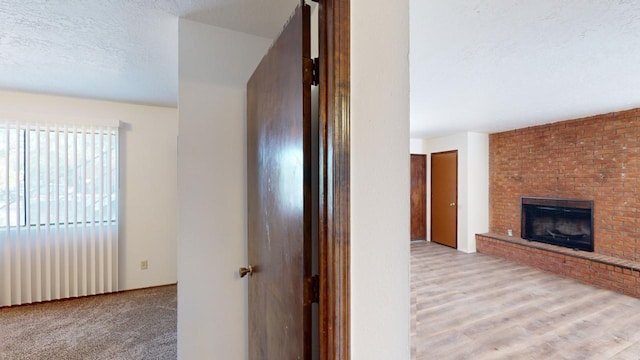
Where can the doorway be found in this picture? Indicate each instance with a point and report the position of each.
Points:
(444, 198)
(418, 197)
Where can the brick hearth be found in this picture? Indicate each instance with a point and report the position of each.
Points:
(611, 273)
(595, 158)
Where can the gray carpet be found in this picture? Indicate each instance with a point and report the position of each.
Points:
(139, 324)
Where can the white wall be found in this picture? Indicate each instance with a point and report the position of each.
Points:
(380, 179)
(148, 224)
(477, 187)
(473, 184)
(215, 65)
(416, 146)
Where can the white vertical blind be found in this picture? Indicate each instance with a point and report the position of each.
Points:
(58, 211)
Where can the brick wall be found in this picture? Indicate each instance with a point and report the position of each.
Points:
(595, 158)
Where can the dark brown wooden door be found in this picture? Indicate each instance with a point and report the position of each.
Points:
(418, 197)
(444, 198)
(278, 195)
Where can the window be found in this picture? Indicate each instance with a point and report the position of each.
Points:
(57, 175)
(58, 211)
(9, 184)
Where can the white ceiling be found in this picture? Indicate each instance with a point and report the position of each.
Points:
(121, 50)
(476, 65)
(492, 65)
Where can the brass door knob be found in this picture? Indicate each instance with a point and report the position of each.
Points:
(452, 204)
(246, 270)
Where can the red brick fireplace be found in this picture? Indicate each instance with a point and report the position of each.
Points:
(595, 159)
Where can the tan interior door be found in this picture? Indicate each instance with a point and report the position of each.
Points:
(418, 197)
(279, 197)
(444, 198)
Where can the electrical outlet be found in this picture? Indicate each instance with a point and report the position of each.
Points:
(144, 265)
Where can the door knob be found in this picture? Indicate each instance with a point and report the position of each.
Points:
(452, 204)
(246, 270)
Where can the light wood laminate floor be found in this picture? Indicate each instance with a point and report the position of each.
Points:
(474, 306)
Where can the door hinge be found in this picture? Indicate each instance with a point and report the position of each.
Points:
(315, 289)
(315, 73)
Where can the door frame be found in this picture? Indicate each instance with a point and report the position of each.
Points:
(334, 186)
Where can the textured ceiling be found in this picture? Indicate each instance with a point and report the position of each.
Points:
(258, 17)
(476, 65)
(115, 50)
(122, 50)
(487, 65)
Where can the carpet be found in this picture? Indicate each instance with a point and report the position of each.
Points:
(138, 324)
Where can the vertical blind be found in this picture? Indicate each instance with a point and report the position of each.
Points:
(58, 211)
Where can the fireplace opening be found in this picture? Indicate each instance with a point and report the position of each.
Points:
(563, 222)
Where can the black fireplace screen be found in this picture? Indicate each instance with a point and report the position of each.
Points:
(563, 222)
